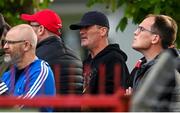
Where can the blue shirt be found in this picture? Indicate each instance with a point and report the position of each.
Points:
(36, 79)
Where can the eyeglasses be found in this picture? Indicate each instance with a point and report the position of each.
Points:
(34, 25)
(140, 29)
(3, 42)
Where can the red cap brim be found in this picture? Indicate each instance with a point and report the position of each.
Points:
(27, 17)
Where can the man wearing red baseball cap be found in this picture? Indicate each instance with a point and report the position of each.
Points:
(48, 19)
(47, 24)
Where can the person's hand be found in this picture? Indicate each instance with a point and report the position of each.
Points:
(129, 91)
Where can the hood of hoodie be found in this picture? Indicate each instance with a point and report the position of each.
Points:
(111, 48)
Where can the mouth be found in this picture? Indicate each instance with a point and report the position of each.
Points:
(134, 38)
(83, 38)
(6, 53)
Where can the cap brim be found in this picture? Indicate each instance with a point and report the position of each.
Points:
(78, 26)
(27, 17)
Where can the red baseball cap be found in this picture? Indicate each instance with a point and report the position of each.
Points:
(48, 18)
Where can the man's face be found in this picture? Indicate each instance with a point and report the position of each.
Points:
(35, 26)
(90, 36)
(13, 48)
(143, 35)
(39, 30)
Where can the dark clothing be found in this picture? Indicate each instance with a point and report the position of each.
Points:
(108, 58)
(140, 69)
(139, 75)
(66, 65)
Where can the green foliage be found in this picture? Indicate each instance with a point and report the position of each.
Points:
(138, 9)
(122, 24)
(11, 9)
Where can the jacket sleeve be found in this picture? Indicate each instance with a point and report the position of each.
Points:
(3, 88)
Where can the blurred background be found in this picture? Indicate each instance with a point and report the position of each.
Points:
(124, 16)
(71, 11)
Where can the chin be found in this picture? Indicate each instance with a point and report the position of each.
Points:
(135, 48)
(84, 45)
(7, 59)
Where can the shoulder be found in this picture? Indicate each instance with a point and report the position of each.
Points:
(113, 56)
(39, 68)
(39, 65)
(38, 62)
(114, 51)
(5, 76)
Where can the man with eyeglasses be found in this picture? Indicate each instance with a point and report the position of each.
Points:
(66, 64)
(47, 25)
(154, 35)
(28, 76)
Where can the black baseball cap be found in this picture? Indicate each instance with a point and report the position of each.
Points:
(91, 18)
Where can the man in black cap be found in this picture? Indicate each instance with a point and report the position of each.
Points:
(94, 28)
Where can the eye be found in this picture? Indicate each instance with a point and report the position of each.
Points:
(141, 28)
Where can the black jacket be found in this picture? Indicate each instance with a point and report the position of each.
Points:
(66, 65)
(109, 57)
(139, 75)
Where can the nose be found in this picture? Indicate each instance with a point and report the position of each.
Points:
(136, 32)
(5, 45)
(81, 30)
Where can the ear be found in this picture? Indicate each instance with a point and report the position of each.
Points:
(27, 46)
(156, 39)
(103, 31)
(41, 30)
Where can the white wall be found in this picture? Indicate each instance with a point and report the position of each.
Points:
(124, 39)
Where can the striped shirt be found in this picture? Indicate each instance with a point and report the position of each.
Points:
(3, 88)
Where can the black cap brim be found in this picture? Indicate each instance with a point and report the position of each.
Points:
(78, 26)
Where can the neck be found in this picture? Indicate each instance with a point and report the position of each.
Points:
(98, 48)
(152, 53)
(28, 59)
(45, 36)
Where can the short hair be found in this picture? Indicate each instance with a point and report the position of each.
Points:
(166, 27)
